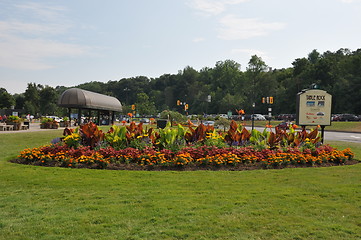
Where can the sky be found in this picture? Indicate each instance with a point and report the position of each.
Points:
(69, 42)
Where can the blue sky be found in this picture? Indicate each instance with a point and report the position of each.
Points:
(68, 42)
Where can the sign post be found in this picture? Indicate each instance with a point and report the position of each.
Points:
(314, 108)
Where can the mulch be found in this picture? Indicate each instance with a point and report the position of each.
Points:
(136, 167)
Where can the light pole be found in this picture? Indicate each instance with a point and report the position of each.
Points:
(253, 102)
(253, 106)
(126, 90)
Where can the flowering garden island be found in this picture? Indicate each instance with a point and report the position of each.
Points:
(185, 147)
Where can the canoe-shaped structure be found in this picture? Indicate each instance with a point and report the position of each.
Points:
(86, 102)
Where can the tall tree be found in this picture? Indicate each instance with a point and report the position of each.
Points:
(48, 98)
(6, 99)
(144, 106)
(32, 99)
(256, 68)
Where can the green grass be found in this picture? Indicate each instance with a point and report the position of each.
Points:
(335, 126)
(345, 126)
(58, 203)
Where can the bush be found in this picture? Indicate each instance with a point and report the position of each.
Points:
(173, 116)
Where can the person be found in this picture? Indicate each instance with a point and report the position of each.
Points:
(1, 118)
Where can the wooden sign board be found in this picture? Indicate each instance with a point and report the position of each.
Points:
(314, 108)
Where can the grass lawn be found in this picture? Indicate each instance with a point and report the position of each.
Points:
(335, 126)
(58, 203)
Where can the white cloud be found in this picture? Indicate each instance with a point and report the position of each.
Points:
(27, 43)
(234, 28)
(212, 7)
(32, 54)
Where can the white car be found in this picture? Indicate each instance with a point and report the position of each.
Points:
(259, 117)
(55, 118)
(208, 123)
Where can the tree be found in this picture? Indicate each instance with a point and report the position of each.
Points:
(144, 106)
(48, 99)
(32, 99)
(19, 101)
(256, 66)
(6, 99)
(314, 56)
(226, 74)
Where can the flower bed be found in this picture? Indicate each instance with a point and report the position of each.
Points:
(191, 157)
(132, 147)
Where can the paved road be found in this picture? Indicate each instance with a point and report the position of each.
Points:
(343, 136)
(329, 136)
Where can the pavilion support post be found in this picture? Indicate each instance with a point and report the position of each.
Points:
(113, 116)
(79, 116)
(98, 117)
(69, 115)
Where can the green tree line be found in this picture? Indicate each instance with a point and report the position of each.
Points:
(222, 88)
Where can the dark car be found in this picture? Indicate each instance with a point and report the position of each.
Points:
(145, 120)
(335, 117)
(347, 117)
(286, 117)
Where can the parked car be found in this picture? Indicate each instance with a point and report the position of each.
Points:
(286, 117)
(335, 117)
(268, 117)
(208, 123)
(145, 120)
(55, 118)
(259, 117)
(347, 117)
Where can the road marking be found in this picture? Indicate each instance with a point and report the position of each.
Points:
(354, 136)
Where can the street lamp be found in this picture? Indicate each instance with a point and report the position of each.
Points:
(253, 106)
(126, 90)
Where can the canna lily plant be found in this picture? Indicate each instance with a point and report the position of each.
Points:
(171, 138)
(176, 138)
(237, 135)
(198, 134)
(91, 135)
(116, 137)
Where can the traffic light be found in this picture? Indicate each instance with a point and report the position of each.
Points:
(133, 107)
(186, 107)
(271, 100)
(178, 102)
(263, 100)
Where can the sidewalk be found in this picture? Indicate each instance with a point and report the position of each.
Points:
(34, 127)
